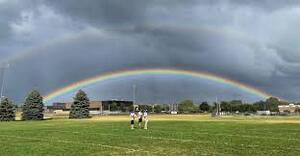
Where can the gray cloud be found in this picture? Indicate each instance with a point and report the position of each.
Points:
(55, 43)
(102, 12)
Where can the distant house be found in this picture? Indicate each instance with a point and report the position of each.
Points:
(288, 108)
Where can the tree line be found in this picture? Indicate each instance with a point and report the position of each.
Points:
(271, 104)
(33, 107)
(188, 106)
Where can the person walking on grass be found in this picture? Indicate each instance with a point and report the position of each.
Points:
(140, 117)
(146, 119)
(132, 118)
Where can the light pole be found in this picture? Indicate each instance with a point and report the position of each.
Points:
(218, 107)
(3, 68)
(134, 94)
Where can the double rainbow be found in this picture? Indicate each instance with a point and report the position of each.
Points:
(155, 71)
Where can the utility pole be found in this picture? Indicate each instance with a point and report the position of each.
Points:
(3, 68)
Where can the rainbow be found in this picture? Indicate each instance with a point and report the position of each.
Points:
(155, 71)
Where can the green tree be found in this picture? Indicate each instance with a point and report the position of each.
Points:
(260, 105)
(226, 106)
(145, 107)
(204, 107)
(80, 106)
(236, 102)
(7, 110)
(114, 106)
(157, 108)
(187, 106)
(33, 107)
(165, 107)
(236, 105)
(272, 104)
(123, 107)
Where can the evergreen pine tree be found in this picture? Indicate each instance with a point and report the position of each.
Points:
(33, 107)
(7, 110)
(80, 106)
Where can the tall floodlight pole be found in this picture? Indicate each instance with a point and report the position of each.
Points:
(3, 68)
(134, 93)
(218, 107)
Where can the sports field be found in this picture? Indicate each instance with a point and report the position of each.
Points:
(167, 135)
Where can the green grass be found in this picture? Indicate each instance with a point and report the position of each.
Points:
(167, 135)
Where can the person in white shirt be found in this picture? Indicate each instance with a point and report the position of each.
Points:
(140, 117)
(145, 119)
(132, 118)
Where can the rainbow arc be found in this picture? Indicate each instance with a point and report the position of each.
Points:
(156, 71)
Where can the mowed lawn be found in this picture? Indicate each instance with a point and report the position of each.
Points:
(167, 135)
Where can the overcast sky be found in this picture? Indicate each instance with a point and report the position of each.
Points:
(53, 43)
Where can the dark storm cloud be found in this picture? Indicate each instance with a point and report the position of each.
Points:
(102, 12)
(11, 11)
(58, 70)
(268, 5)
(58, 42)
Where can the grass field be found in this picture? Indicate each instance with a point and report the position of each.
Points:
(167, 135)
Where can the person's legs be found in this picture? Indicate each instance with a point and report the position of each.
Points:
(146, 124)
(132, 124)
(140, 123)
